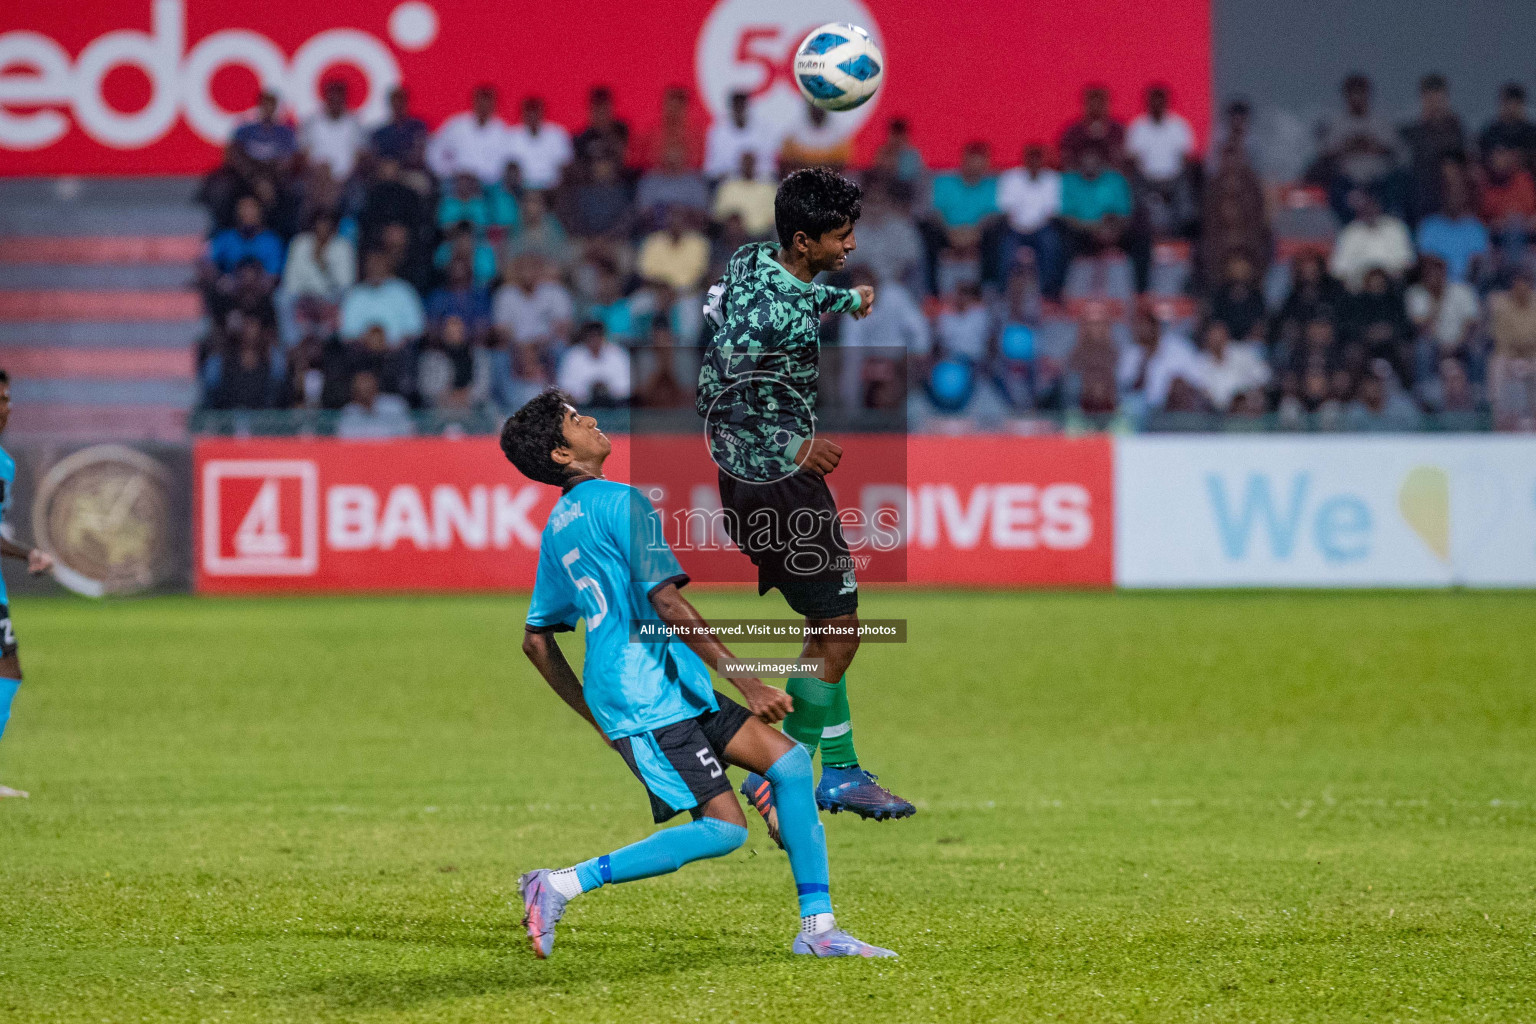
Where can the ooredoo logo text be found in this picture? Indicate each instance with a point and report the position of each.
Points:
(42, 87)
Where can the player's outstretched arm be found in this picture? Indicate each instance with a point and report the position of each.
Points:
(856, 301)
(545, 653)
(767, 702)
(866, 301)
(37, 559)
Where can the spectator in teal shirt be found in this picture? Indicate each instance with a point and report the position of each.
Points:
(967, 197)
(464, 202)
(965, 208)
(465, 243)
(613, 309)
(1096, 210)
(505, 213)
(1094, 193)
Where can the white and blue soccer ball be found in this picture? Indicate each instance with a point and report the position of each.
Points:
(838, 67)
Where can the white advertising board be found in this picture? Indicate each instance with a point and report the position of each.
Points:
(1402, 510)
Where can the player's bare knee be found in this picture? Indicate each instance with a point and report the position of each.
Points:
(757, 746)
(850, 645)
(835, 643)
(777, 745)
(839, 655)
(724, 808)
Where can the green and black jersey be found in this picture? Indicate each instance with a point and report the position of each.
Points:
(757, 383)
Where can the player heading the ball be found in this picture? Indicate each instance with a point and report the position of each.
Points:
(758, 381)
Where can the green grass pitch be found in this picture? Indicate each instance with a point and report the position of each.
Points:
(1239, 807)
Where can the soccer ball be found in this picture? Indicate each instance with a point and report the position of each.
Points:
(838, 67)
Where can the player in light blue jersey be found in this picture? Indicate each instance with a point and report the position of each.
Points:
(37, 560)
(646, 689)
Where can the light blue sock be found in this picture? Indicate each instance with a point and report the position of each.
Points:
(805, 840)
(662, 853)
(8, 688)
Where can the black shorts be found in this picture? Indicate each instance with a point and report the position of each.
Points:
(683, 764)
(790, 530)
(7, 632)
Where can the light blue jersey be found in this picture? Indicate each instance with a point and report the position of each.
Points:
(601, 555)
(7, 485)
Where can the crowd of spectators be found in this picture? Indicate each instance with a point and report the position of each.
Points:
(1113, 273)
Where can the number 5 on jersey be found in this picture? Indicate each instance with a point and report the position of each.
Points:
(586, 583)
(707, 759)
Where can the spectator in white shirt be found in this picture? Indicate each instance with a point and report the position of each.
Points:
(870, 360)
(371, 415)
(594, 371)
(1156, 358)
(540, 148)
(1444, 311)
(1232, 374)
(1159, 142)
(532, 312)
(739, 133)
(321, 262)
(1372, 240)
(333, 138)
(474, 142)
(384, 301)
(1161, 148)
(321, 266)
(1029, 198)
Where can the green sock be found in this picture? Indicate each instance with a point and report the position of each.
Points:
(837, 731)
(813, 699)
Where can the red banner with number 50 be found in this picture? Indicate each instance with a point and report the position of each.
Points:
(155, 86)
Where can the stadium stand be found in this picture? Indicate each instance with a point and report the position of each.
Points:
(97, 316)
(460, 291)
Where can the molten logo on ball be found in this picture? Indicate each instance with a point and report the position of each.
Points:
(838, 67)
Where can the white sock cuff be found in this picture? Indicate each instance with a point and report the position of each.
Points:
(566, 882)
(815, 924)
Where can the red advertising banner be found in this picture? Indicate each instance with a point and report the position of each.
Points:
(155, 86)
(1005, 511)
(435, 514)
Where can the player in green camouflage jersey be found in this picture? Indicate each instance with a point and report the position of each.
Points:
(757, 393)
(757, 385)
